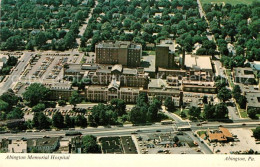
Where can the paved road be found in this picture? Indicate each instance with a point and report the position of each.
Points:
(172, 115)
(232, 113)
(14, 76)
(203, 14)
(202, 146)
(84, 26)
(218, 67)
(126, 130)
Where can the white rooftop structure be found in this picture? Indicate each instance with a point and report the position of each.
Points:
(158, 15)
(198, 62)
(171, 14)
(196, 47)
(231, 48)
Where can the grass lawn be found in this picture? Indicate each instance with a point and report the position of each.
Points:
(243, 113)
(229, 78)
(232, 2)
(201, 132)
(178, 112)
(151, 52)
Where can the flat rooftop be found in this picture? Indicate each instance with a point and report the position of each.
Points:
(253, 99)
(119, 44)
(198, 62)
(244, 72)
(148, 63)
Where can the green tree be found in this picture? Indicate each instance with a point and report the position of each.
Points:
(119, 106)
(224, 94)
(221, 111)
(90, 144)
(252, 113)
(194, 112)
(36, 93)
(41, 121)
(81, 121)
(14, 43)
(79, 16)
(69, 121)
(10, 98)
(169, 104)
(3, 105)
(5, 33)
(127, 23)
(242, 102)
(138, 115)
(69, 40)
(58, 120)
(236, 92)
(205, 99)
(256, 132)
(176, 139)
(74, 99)
(38, 108)
(40, 39)
(157, 103)
(16, 113)
(142, 99)
(62, 102)
(152, 113)
(209, 111)
(12, 61)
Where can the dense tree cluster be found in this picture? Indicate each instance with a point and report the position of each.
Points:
(240, 99)
(194, 112)
(144, 111)
(136, 21)
(257, 132)
(102, 114)
(239, 25)
(11, 62)
(41, 24)
(224, 93)
(252, 113)
(169, 104)
(36, 93)
(215, 112)
(90, 144)
(9, 107)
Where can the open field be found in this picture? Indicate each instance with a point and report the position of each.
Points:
(232, 2)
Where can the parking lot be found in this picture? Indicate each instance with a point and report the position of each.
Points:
(118, 145)
(45, 67)
(165, 143)
(196, 99)
(50, 111)
(242, 143)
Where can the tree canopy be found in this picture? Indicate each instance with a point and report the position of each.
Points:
(36, 93)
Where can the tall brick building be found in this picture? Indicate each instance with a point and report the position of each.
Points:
(164, 57)
(121, 52)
